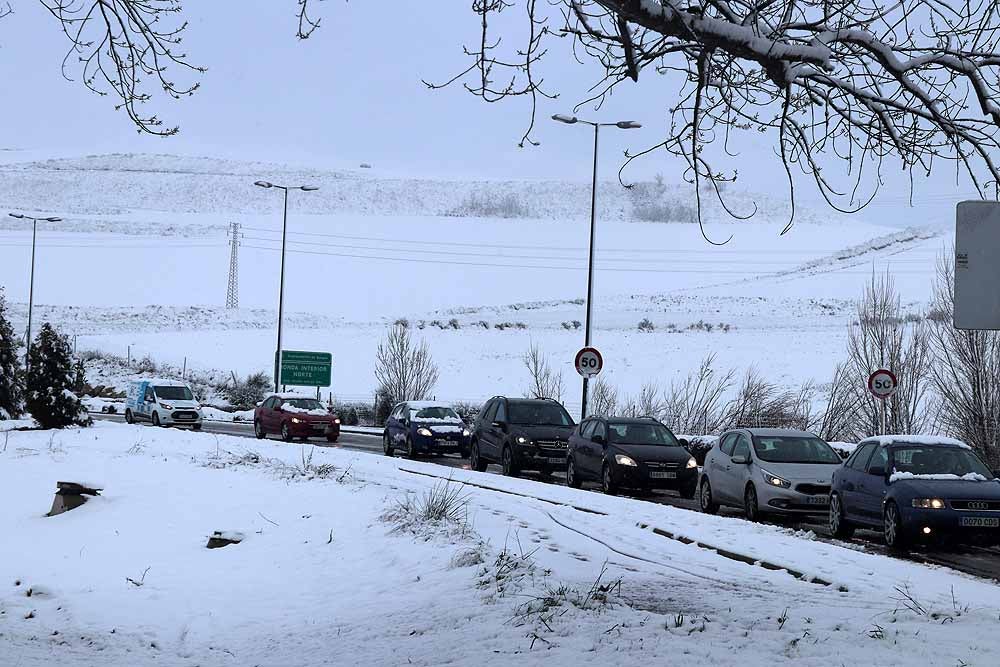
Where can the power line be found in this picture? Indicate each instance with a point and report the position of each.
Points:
(774, 274)
(455, 253)
(397, 240)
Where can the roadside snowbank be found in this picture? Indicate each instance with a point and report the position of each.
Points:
(337, 567)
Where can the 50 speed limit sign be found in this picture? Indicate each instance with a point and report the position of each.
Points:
(589, 362)
(882, 383)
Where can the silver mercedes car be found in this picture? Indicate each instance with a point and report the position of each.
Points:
(768, 471)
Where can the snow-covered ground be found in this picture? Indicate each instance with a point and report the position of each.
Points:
(140, 266)
(332, 570)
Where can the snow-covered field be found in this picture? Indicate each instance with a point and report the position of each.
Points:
(141, 263)
(531, 573)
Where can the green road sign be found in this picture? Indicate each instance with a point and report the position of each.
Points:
(306, 369)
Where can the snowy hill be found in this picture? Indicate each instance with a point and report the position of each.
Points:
(122, 184)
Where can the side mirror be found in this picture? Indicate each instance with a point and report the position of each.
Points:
(684, 442)
(877, 471)
(597, 439)
(741, 460)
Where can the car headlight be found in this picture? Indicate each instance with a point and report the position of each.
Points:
(692, 463)
(774, 480)
(623, 460)
(296, 420)
(426, 432)
(336, 420)
(466, 432)
(928, 503)
(166, 406)
(521, 440)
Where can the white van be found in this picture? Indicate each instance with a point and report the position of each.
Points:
(162, 403)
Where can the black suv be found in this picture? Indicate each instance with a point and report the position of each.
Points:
(519, 434)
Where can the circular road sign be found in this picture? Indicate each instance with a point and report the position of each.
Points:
(882, 384)
(589, 362)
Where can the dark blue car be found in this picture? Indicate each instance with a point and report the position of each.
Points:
(916, 488)
(425, 427)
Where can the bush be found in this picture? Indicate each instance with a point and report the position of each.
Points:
(651, 202)
(245, 394)
(49, 398)
(485, 204)
(646, 325)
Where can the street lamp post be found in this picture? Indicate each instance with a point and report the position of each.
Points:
(31, 280)
(281, 283)
(622, 125)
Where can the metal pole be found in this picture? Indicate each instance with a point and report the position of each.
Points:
(281, 293)
(590, 269)
(31, 298)
(884, 419)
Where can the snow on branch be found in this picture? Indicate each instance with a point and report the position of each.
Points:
(844, 83)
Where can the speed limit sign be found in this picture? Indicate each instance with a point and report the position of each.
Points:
(882, 383)
(589, 362)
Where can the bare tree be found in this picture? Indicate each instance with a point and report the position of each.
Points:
(603, 400)
(884, 338)
(840, 409)
(694, 405)
(855, 81)
(404, 370)
(760, 403)
(966, 372)
(545, 382)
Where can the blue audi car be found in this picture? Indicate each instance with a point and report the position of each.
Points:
(916, 488)
(425, 427)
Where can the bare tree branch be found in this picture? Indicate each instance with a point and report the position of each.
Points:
(850, 83)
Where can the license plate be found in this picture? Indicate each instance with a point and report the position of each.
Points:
(319, 427)
(817, 500)
(979, 522)
(441, 441)
(561, 459)
(663, 475)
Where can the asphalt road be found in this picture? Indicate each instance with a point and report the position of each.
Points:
(974, 560)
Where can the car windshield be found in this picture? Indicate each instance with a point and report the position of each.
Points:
(436, 413)
(539, 413)
(794, 449)
(304, 404)
(924, 460)
(625, 433)
(172, 393)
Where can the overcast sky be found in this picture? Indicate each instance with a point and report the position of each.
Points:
(352, 93)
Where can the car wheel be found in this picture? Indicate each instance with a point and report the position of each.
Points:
(258, 429)
(411, 453)
(892, 527)
(156, 419)
(286, 433)
(688, 491)
(705, 499)
(476, 461)
(839, 527)
(572, 480)
(386, 444)
(608, 481)
(507, 462)
(129, 419)
(750, 505)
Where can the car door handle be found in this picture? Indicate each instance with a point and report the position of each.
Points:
(729, 468)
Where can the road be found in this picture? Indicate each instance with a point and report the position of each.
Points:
(974, 560)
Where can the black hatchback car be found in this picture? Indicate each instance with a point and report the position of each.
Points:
(634, 453)
(521, 434)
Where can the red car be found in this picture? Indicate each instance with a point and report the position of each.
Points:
(295, 416)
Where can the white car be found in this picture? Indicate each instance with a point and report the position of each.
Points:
(162, 403)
